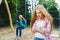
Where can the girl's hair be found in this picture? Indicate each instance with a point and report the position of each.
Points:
(20, 16)
(45, 13)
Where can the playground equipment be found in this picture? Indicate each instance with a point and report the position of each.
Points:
(9, 14)
(0, 2)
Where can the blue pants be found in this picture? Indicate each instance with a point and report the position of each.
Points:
(38, 38)
(20, 30)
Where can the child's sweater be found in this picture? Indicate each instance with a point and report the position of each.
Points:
(41, 25)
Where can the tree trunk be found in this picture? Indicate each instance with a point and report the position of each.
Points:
(9, 14)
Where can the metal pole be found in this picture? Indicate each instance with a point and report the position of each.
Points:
(32, 5)
(25, 8)
(16, 7)
(59, 24)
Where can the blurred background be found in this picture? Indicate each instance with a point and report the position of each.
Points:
(25, 7)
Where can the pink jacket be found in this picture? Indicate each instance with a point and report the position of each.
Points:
(48, 37)
(47, 25)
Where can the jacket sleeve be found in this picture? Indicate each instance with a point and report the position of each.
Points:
(34, 25)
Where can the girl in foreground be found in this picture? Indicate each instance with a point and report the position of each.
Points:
(41, 23)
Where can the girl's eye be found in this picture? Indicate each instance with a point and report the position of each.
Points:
(39, 12)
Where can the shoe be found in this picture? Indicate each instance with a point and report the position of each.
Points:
(19, 38)
(16, 38)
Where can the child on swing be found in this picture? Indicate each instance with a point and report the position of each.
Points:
(41, 23)
(22, 24)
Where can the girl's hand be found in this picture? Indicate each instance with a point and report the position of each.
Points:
(16, 20)
(35, 30)
(43, 31)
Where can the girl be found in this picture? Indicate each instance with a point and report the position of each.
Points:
(22, 24)
(41, 23)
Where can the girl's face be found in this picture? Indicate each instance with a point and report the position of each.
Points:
(39, 14)
(20, 17)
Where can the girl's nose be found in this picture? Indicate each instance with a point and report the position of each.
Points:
(37, 14)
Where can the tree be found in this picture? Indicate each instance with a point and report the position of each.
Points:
(19, 7)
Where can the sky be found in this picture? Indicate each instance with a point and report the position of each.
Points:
(33, 3)
(36, 2)
(58, 2)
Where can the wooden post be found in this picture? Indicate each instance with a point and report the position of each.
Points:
(0, 2)
(9, 14)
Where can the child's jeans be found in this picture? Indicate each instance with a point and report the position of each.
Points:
(19, 31)
(38, 38)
